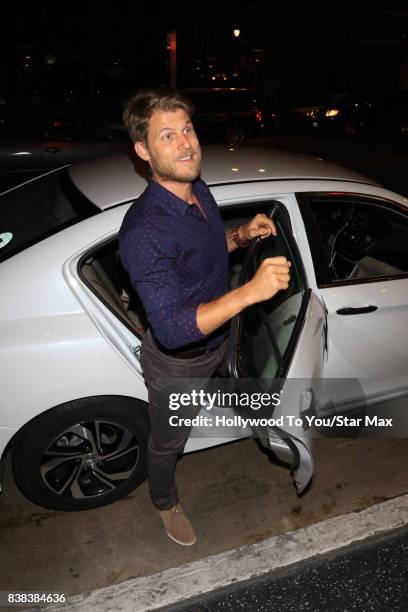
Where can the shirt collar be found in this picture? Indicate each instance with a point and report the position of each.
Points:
(168, 200)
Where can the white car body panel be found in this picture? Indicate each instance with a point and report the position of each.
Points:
(24, 327)
(46, 338)
(372, 347)
(264, 189)
(113, 180)
(6, 434)
(61, 343)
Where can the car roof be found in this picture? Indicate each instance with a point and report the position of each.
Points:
(121, 178)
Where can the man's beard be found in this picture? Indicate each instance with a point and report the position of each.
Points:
(168, 172)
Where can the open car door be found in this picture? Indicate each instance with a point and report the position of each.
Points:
(278, 346)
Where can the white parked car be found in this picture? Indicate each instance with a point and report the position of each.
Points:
(73, 401)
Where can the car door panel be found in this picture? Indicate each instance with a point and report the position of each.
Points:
(371, 347)
(300, 392)
(280, 344)
(368, 307)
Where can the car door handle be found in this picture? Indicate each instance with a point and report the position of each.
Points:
(356, 311)
(52, 150)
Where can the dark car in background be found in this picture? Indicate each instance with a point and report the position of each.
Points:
(323, 113)
(107, 112)
(299, 118)
(225, 114)
(386, 114)
(377, 114)
(36, 139)
(340, 114)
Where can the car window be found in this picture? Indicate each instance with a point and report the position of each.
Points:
(355, 239)
(103, 272)
(38, 209)
(268, 327)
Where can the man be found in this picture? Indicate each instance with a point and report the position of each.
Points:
(175, 248)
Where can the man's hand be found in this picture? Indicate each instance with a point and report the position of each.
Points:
(271, 276)
(261, 225)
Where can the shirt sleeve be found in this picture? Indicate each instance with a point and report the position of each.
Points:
(151, 265)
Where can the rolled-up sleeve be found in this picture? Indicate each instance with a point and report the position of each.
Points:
(151, 266)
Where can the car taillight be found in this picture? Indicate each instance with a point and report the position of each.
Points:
(258, 116)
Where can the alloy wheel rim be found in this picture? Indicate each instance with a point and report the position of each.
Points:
(90, 459)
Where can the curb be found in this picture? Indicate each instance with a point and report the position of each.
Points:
(216, 571)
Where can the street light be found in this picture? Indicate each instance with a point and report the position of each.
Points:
(236, 33)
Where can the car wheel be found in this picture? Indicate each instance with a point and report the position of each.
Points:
(235, 135)
(83, 454)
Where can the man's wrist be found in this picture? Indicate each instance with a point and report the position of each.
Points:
(246, 295)
(236, 236)
(242, 233)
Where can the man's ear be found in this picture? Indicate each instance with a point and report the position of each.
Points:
(141, 150)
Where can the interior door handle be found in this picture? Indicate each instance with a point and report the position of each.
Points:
(356, 311)
(52, 150)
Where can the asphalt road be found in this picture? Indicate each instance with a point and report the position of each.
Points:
(367, 576)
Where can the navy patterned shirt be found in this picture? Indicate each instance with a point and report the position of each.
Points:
(176, 260)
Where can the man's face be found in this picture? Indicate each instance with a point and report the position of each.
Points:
(172, 147)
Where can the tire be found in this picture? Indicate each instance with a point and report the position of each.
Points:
(234, 136)
(83, 454)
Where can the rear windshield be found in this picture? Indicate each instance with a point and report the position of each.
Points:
(39, 209)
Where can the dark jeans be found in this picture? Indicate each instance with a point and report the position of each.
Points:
(165, 445)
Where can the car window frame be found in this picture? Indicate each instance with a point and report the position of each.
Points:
(90, 253)
(240, 209)
(234, 342)
(321, 268)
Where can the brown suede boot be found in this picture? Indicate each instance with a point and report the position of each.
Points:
(178, 526)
